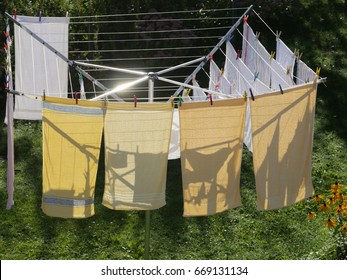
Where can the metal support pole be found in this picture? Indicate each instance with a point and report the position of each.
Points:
(147, 234)
(152, 77)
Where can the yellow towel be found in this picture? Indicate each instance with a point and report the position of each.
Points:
(282, 129)
(136, 154)
(71, 147)
(211, 152)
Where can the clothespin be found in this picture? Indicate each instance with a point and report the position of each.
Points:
(257, 34)
(230, 38)
(245, 18)
(211, 57)
(40, 16)
(67, 14)
(256, 75)
(15, 13)
(135, 101)
(221, 71)
(211, 100)
(238, 55)
(76, 97)
(280, 88)
(172, 101)
(245, 95)
(288, 70)
(188, 91)
(318, 71)
(180, 100)
(251, 92)
(5, 34)
(5, 46)
(272, 55)
(278, 33)
(43, 95)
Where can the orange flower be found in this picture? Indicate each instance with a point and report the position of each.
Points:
(311, 215)
(323, 207)
(330, 223)
(318, 197)
(335, 187)
(344, 228)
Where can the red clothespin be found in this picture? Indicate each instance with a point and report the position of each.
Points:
(5, 46)
(5, 34)
(15, 13)
(238, 55)
(135, 101)
(245, 18)
(211, 101)
(211, 57)
(76, 96)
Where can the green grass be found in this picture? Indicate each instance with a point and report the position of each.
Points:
(241, 233)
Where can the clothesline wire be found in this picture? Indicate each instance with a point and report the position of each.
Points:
(154, 31)
(135, 58)
(157, 13)
(152, 20)
(264, 22)
(146, 39)
(142, 50)
(139, 68)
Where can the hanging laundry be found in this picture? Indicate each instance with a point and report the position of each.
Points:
(285, 57)
(211, 151)
(244, 77)
(304, 73)
(174, 151)
(37, 68)
(259, 61)
(282, 129)
(136, 155)
(71, 147)
(243, 81)
(215, 75)
(198, 94)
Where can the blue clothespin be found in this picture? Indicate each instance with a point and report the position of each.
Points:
(281, 89)
(230, 38)
(256, 74)
(251, 92)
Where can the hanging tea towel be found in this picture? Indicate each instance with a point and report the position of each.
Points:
(211, 151)
(136, 154)
(282, 130)
(71, 147)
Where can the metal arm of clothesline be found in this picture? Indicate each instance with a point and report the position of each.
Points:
(59, 54)
(127, 71)
(183, 85)
(181, 65)
(216, 48)
(121, 88)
